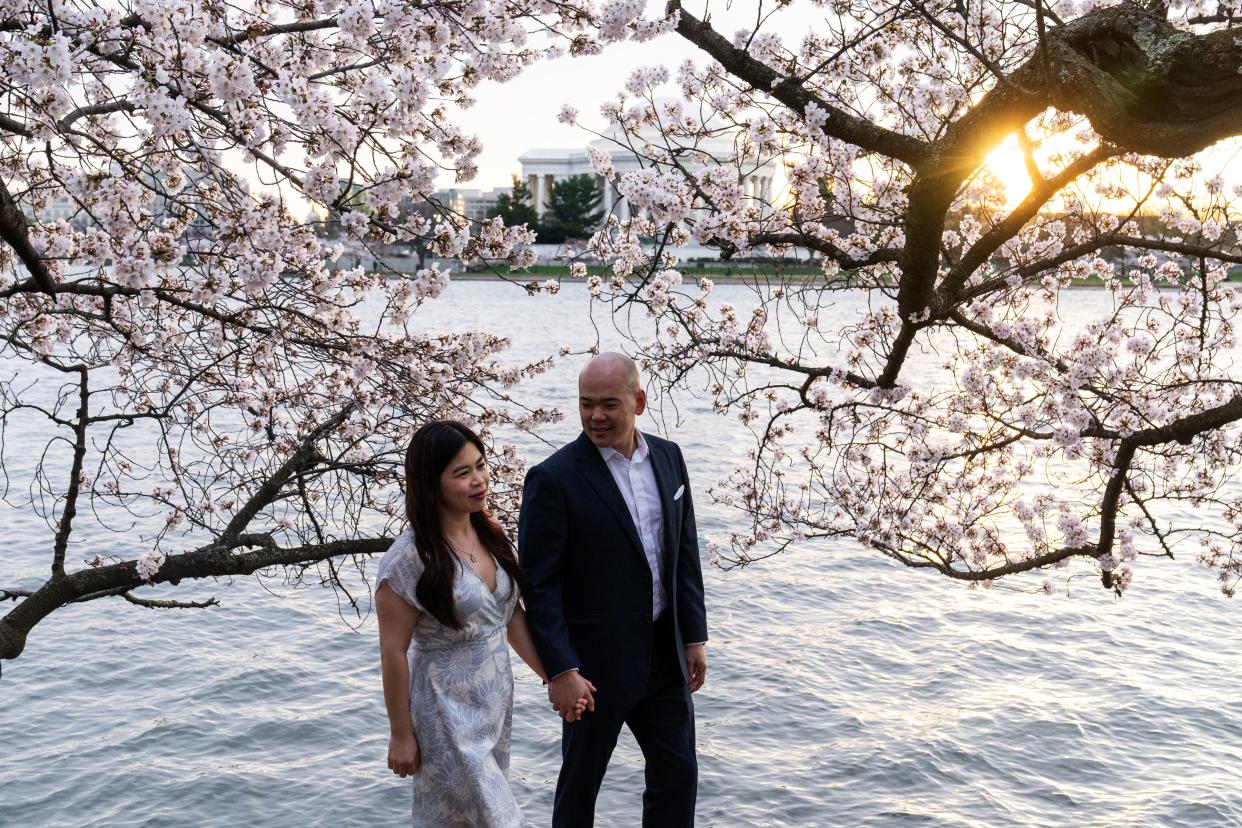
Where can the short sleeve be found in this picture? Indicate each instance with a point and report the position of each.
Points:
(401, 568)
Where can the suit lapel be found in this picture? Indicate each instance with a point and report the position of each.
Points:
(595, 471)
(667, 482)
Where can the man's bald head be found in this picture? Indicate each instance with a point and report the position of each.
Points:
(611, 364)
(610, 397)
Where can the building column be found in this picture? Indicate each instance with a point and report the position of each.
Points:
(606, 187)
(548, 183)
(532, 184)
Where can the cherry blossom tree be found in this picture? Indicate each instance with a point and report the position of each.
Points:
(970, 420)
(158, 293)
(188, 352)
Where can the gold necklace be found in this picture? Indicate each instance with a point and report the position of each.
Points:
(474, 546)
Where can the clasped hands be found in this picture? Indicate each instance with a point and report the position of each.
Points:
(571, 695)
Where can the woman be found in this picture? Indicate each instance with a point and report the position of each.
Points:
(450, 584)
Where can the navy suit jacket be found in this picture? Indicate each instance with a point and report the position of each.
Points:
(588, 598)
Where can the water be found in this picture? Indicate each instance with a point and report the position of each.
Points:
(843, 690)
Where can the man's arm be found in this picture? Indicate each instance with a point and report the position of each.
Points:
(690, 605)
(542, 540)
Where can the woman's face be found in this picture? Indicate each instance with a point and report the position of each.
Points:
(463, 483)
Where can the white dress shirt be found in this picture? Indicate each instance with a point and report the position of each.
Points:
(636, 480)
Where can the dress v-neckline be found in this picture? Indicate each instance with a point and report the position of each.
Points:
(489, 590)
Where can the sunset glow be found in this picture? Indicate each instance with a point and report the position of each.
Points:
(1008, 166)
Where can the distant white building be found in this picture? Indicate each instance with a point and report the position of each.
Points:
(473, 204)
(542, 168)
(59, 208)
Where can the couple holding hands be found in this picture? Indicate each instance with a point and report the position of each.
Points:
(611, 615)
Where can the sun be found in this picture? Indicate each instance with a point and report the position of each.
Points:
(1008, 166)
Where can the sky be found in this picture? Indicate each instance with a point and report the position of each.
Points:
(520, 115)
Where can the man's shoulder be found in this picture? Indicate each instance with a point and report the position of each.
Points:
(661, 444)
(558, 460)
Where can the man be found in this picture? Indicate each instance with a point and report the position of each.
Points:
(615, 598)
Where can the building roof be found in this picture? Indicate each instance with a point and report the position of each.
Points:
(547, 154)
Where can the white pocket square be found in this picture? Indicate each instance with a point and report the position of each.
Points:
(680, 491)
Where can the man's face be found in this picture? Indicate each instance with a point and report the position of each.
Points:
(608, 408)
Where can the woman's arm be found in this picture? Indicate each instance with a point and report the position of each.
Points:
(522, 643)
(524, 646)
(396, 627)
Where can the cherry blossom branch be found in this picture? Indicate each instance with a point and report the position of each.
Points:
(791, 93)
(993, 572)
(1206, 251)
(933, 20)
(826, 248)
(70, 508)
(213, 560)
(902, 466)
(976, 327)
(14, 127)
(306, 454)
(163, 603)
(102, 108)
(216, 558)
(1019, 217)
(1151, 519)
(811, 372)
(15, 231)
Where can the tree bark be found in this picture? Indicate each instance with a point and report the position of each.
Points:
(207, 562)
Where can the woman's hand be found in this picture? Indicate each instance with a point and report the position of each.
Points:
(579, 708)
(403, 758)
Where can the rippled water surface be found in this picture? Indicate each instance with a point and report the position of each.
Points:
(843, 690)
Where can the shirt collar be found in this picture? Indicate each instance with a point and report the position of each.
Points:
(640, 453)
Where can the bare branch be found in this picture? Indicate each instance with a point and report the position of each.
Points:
(161, 603)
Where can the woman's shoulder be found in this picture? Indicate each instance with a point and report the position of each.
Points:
(401, 568)
(402, 553)
(403, 541)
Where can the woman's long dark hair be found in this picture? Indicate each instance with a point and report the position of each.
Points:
(431, 449)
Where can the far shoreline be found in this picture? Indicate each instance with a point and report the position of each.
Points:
(1092, 283)
(719, 274)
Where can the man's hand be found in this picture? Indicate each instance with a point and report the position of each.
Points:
(571, 694)
(403, 756)
(696, 665)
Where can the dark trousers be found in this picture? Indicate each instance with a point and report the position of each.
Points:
(662, 722)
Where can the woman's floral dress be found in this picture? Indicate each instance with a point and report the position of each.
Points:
(461, 697)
